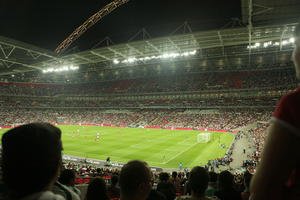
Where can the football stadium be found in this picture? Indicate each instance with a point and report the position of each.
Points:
(192, 103)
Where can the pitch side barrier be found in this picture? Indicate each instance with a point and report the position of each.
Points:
(149, 127)
(101, 163)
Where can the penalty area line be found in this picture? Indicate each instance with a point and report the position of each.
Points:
(181, 152)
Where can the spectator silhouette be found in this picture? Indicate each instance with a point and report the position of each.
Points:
(226, 190)
(155, 195)
(66, 183)
(198, 182)
(36, 148)
(97, 190)
(166, 187)
(135, 181)
(212, 184)
(113, 190)
(246, 193)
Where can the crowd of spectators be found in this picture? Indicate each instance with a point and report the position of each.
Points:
(199, 103)
(176, 184)
(210, 81)
(225, 120)
(256, 137)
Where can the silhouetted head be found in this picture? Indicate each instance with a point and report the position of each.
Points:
(164, 176)
(67, 177)
(198, 181)
(114, 180)
(225, 179)
(97, 190)
(135, 180)
(35, 149)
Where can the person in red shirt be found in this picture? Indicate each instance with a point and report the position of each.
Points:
(276, 175)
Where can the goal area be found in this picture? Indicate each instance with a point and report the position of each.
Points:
(203, 137)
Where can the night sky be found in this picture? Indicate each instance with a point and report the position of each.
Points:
(46, 23)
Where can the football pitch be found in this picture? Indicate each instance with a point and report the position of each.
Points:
(158, 147)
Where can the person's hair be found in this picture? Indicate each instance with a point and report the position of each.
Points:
(132, 175)
(97, 190)
(213, 177)
(164, 176)
(114, 180)
(66, 176)
(198, 180)
(35, 149)
(174, 174)
(225, 179)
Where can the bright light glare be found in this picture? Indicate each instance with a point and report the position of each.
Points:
(163, 56)
(272, 44)
(61, 69)
(284, 42)
(292, 40)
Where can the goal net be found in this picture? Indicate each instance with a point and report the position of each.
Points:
(203, 137)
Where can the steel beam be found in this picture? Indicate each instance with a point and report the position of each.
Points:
(154, 47)
(102, 56)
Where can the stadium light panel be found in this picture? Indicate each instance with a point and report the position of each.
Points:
(61, 69)
(162, 56)
(131, 60)
(277, 43)
(272, 43)
(116, 61)
(284, 42)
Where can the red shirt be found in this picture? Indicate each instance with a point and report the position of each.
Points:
(287, 111)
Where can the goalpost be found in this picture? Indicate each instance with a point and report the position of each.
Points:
(203, 137)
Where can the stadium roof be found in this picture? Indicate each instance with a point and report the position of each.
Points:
(17, 57)
(271, 11)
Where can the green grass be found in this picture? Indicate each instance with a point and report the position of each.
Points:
(159, 147)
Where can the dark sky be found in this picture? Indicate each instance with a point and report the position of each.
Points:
(46, 23)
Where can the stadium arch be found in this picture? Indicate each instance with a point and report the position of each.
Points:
(89, 23)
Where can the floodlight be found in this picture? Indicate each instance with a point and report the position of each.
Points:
(193, 52)
(61, 69)
(162, 56)
(131, 60)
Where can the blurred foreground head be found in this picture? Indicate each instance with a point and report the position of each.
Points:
(199, 181)
(135, 180)
(31, 158)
